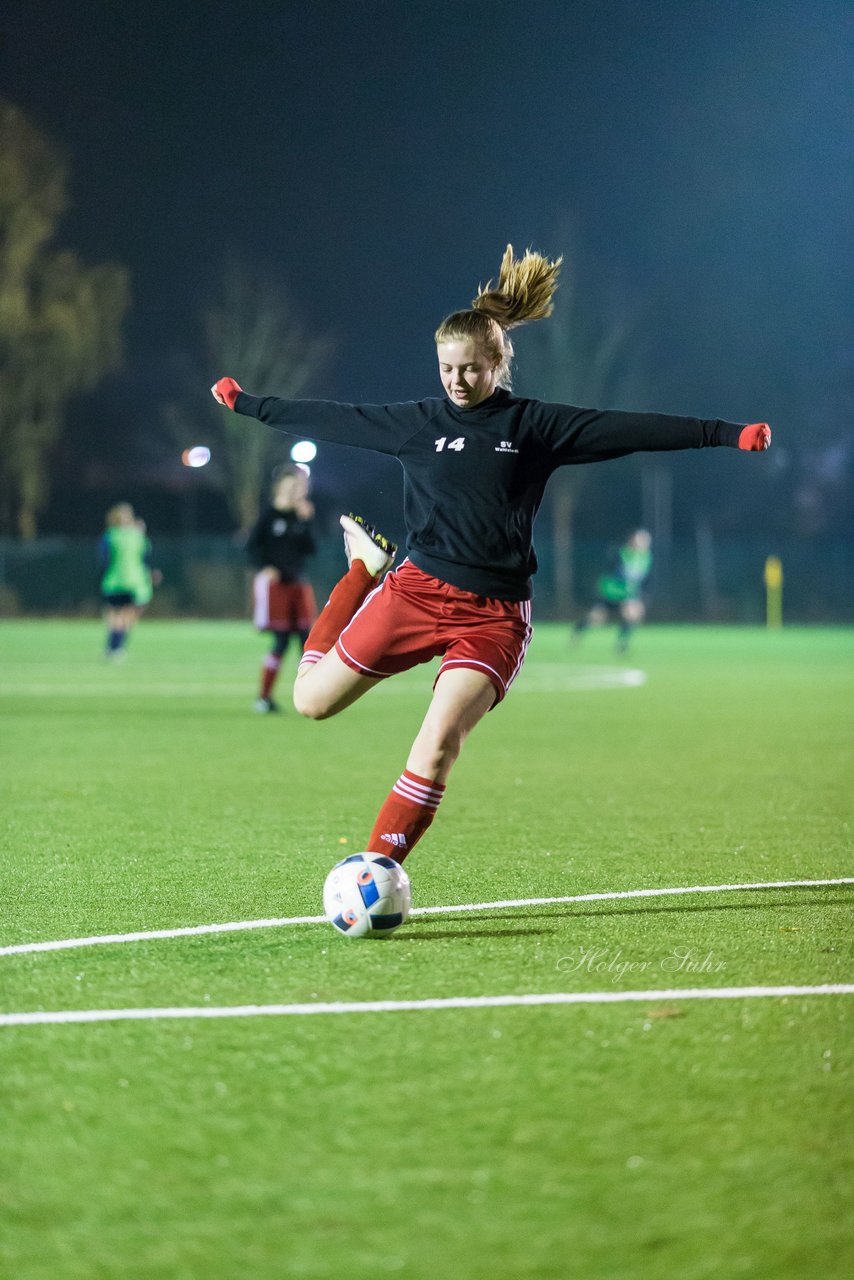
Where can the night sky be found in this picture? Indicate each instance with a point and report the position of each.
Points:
(376, 158)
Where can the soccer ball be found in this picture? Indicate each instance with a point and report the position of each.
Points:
(367, 895)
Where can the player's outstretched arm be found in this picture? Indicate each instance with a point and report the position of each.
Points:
(226, 391)
(590, 435)
(381, 427)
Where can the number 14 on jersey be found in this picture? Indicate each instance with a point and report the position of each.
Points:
(457, 444)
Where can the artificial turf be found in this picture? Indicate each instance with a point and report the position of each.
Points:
(655, 1139)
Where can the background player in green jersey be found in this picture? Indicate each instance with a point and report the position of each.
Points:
(618, 592)
(124, 559)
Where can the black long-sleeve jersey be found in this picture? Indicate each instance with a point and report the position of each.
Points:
(474, 478)
(281, 540)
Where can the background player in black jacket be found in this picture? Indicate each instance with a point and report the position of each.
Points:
(278, 547)
(475, 467)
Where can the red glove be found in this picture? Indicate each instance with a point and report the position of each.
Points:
(755, 437)
(226, 392)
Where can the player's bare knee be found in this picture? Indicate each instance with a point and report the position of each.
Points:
(310, 702)
(439, 747)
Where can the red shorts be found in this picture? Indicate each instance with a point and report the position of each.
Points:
(283, 606)
(413, 617)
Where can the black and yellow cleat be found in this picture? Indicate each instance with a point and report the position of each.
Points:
(363, 542)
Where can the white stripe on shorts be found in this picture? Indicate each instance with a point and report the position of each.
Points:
(470, 662)
(525, 612)
(369, 671)
(261, 597)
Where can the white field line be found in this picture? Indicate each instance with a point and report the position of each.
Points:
(413, 1006)
(115, 690)
(147, 935)
(65, 944)
(543, 678)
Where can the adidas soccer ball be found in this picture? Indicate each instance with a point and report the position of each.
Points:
(367, 895)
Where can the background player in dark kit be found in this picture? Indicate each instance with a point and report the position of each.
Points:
(278, 546)
(475, 467)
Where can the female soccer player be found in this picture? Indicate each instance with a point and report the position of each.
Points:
(475, 467)
(278, 546)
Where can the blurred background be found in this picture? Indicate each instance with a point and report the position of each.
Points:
(296, 194)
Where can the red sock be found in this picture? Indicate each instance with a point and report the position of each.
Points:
(407, 813)
(347, 595)
(269, 671)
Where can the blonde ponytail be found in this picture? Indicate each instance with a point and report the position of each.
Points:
(524, 292)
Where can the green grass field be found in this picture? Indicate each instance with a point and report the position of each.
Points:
(660, 1138)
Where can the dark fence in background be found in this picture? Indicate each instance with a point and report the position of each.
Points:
(701, 579)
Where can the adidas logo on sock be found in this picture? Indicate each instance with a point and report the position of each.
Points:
(397, 838)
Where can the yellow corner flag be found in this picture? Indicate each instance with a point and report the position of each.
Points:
(774, 591)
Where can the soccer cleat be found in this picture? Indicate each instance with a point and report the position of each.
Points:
(363, 542)
(265, 705)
